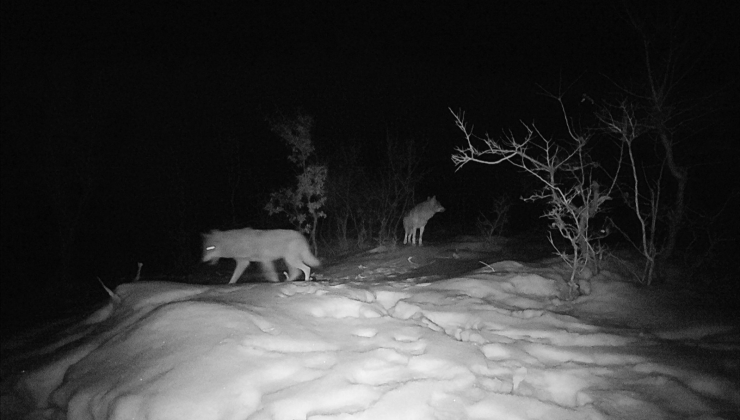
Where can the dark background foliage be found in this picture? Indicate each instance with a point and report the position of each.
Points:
(130, 127)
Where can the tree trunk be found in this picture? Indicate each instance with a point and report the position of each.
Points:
(676, 215)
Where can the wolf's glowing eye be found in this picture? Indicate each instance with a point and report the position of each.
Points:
(210, 248)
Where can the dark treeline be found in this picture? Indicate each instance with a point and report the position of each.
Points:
(123, 140)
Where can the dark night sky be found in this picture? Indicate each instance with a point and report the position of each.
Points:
(149, 101)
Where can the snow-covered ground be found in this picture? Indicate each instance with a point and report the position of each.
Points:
(497, 343)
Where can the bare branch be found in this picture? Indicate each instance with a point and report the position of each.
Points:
(565, 172)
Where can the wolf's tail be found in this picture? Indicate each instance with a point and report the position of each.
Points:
(309, 258)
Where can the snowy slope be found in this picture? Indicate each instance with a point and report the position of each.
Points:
(495, 344)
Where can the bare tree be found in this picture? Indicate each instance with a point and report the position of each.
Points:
(665, 103)
(494, 225)
(641, 193)
(565, 170)
(345, 184)
(658, 110)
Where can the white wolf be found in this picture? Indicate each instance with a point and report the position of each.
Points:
(418, 218)
(265, 246)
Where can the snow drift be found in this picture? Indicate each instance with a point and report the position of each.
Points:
(496, 344)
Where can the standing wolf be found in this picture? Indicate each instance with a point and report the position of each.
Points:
(264, 246)
(418, 218)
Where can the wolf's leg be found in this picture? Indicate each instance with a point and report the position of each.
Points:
(296, 267)
(268, 267)
(292, 270)
(241, 265)
(421, 233)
